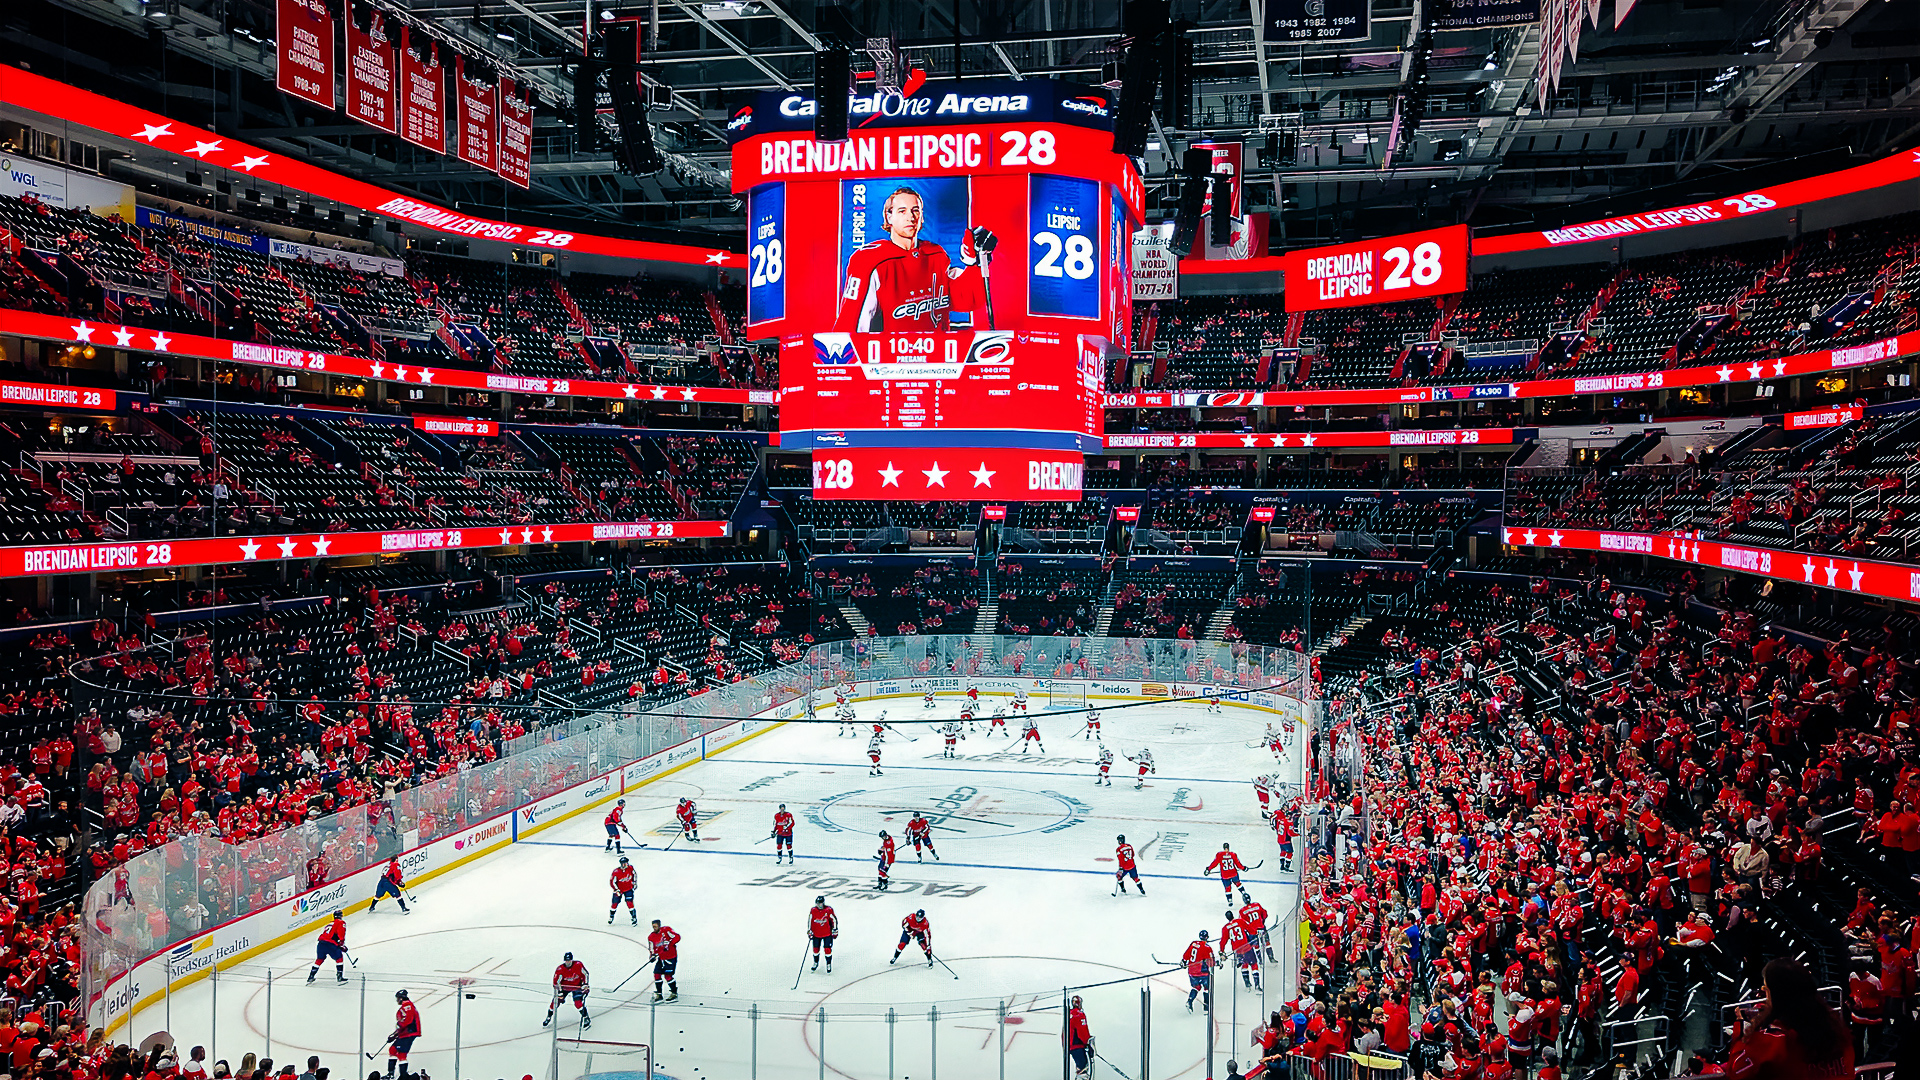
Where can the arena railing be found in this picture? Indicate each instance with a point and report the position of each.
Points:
(168, 902)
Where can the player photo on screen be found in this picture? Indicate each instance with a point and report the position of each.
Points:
(915, 259)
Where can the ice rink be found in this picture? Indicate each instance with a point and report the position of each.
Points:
(1021, 903)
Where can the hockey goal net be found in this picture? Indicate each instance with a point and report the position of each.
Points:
(595, 1059)
(1067, 695)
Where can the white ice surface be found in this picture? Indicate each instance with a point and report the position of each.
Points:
(1021, 905)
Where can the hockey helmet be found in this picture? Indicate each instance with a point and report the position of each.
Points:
(820, 900)
(1203, 935)
(399, 995)
(1120, 839)
(568, 958)
(623, 861)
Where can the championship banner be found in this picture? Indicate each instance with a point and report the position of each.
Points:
(1228, 158)
(515, 164)
(1308, 22)
(1156, 273)
(304, 51)
(423, 91)
(477, 97)
(372, 69)
(33, 559)
(1481, 14)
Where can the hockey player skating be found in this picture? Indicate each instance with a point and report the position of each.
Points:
(915, 928)
(1229, 866)
(1239, 942)
(873, 756)
(1020, 699)
(951, 732)
(331, 945)
(849, 724)
(973, 695)
(1079, 1039)
(1105, 761)
(927, 702)
(1283, 831)
(782, 835)
(999, 722)
(1199, 961)
(570, 978)
(919, 831)
(615, 818)
(1213, 703)
(822, 927)
(1263, 790)
(622, 880)
(406, 1028)
(1255, 918)
(392, 882)
(1091, 729)
(842, 694)
(1125, 867)
(881, 727)
(689, 820)
(883, 860)
(1145, 761)
(1031, 734)
(664, 945)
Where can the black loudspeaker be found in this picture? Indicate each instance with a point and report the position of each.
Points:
(832, 83)
(1176, 99)
(1144, 21)
(636, 152)
(1186, 219)
(1197, 161)
(1220, 221)
(586, 89)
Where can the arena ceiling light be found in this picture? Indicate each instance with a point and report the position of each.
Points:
(730, 9)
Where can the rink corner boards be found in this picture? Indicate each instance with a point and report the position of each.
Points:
(182, 963)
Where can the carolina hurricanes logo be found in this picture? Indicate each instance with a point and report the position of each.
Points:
(914, 308)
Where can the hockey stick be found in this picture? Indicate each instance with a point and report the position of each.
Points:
(371, 1054)
(1110, 1065)
(350, 957)
(637, 845)
(803, 966)
(943, 963)
(763, 840)
(636, 971)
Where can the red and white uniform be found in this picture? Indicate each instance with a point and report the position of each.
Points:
(783, 827)
(1020, 700)
(919, 832)
(689, 822)
(1032, 731)
(1229, 865)
(623, 880)
(570, 978)
(1124, 857)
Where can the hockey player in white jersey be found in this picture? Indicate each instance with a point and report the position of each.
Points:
(1020, 699)
(951, 732)
(849, 724)
(1105, 761)
(927, 702)
(1145, 761)
(873, 756)
(1092, 728)
(1031, 734)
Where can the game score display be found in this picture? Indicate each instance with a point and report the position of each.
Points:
(953, 276)
(1379, 271)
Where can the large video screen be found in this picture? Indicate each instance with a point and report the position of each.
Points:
(955, 274)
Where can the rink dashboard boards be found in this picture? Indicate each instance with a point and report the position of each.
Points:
(948, 284)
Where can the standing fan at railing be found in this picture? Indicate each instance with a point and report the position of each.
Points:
(1794, 1034)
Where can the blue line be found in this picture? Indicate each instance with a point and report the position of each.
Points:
(1158, 779)
(967, 866)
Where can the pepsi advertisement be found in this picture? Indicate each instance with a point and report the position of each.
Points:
(1064, 260)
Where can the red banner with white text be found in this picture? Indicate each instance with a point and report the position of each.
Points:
(1823, 418)
(423, 91)
(1893, 581)
(947, 474)
(1182, 440)
(32, 559)
(515, 157)
(455, 425)
(304, 51)
(58, 397)
(372, 69)
(477, 93)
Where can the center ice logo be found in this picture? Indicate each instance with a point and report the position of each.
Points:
(963, 812)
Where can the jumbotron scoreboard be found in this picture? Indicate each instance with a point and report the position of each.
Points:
(948, 284)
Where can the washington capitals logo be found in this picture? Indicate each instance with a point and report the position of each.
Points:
(834, 349)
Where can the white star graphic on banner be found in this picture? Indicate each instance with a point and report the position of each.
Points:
(426, 374)
(1248, 440)
(1279, 440)
(890, 476)
(982, 476)
(1832, 572)
(687, 394)
(399, 373)
(1506, 536)
(526, 536)
(379, 369)
(1555, 536)
(718, 258)
(202, 149)
(287, 546)
(321, 546)
(1779, 367)
(936, 476)
(250, 549)
(1807, 568)
(546, 533)
(83, 332)
(1306, 440)
(629, 390)
(1753, 371)
(248, 164)
(152, 132)
(1725, 373)
(123, 337)
(506, 536)
(1531, 536)
(659, 392)
(1855, 575)
(160, 342)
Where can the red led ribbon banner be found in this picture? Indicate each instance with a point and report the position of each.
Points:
(1159, 440)
(1894, 581)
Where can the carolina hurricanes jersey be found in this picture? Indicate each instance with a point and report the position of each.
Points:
(571, 975)
(889, 287)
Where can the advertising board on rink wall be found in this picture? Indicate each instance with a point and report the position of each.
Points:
(297, 912)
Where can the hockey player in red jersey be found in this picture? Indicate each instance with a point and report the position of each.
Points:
(920, 831)
(406, 1028)
(1079, 1039)
(689, 820)
(664, 944)
(623, 881)
(1239, 941)
(615, 818)
(782, 835)
(883, 859)
(822, 927)
(570, 978)
(1199, 961)
(332, 945)
(392, 882)
(1229, 866)
(1123, 856)
(901, 282)
(915, 928)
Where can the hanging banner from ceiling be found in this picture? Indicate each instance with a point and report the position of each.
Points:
(1474, 14)
(515, 157)
(304, 51)
(423, 91)
(1303, 22)
(371, 74)
(1156, 273)
(477, 93)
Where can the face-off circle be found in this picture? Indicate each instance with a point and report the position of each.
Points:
(953, 811)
